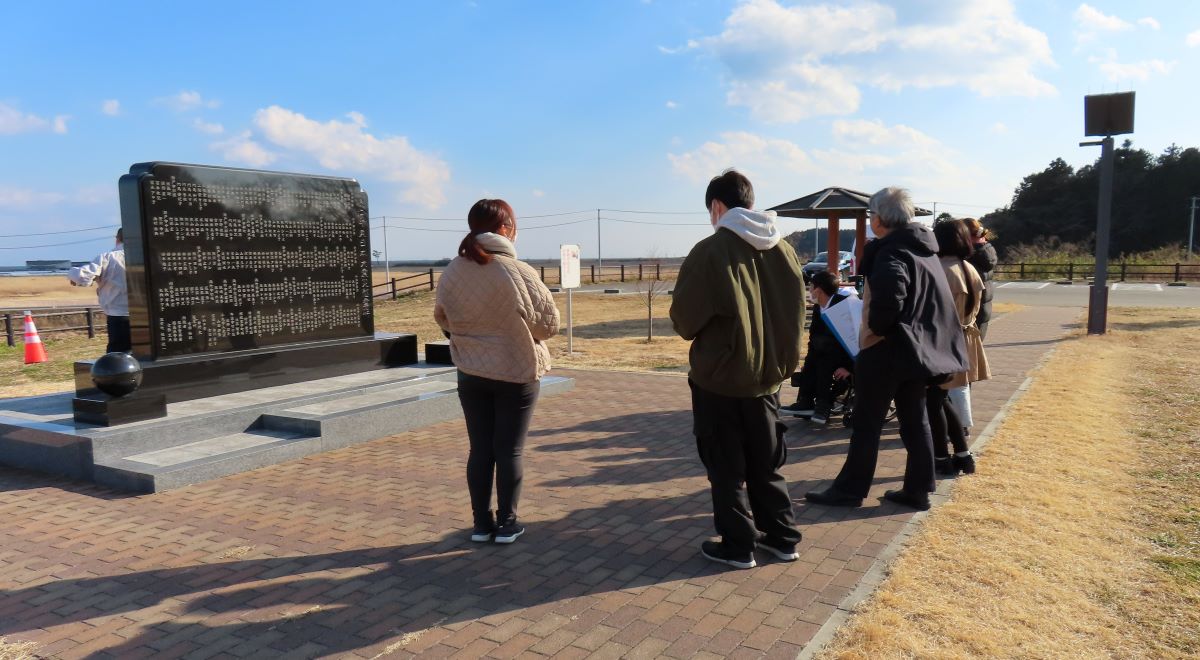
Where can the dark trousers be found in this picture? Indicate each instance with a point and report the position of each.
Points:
(119, 340)
(497, 415)
(876, 385)
(944, 424)
(816, 385)
(741, 445)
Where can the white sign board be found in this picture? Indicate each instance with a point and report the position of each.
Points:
(569, 267)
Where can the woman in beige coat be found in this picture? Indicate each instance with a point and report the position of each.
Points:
(498, 315)
(954, 248)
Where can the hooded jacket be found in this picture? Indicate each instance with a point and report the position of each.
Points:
(499, 314)
(908, 309)
(739, 299)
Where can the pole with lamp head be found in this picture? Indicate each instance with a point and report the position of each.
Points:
(1104, 115)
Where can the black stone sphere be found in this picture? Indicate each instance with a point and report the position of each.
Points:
(117, 374)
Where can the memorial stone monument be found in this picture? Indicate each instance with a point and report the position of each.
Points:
(241, 279)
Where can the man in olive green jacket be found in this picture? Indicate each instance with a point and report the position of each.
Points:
(740, 299)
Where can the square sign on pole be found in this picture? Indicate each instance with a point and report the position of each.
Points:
(568, 278)
(569, 269)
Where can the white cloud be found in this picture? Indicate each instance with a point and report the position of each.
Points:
(206, 127)
(789, 63)
(13, 122)
(1091, 19)
(1193, 39)
(1150, 22)
(187, 100)
(14, 198)
(868, 154)
(242, 149)
(998, 128)
(348, 147)
(1143, 70)
(751, 154)
(111, 107)
(671, 105)
(538, 193)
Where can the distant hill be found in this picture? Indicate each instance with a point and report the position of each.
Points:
(802, 241)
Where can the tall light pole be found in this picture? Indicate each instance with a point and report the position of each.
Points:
(387, 267)
(1107, 115)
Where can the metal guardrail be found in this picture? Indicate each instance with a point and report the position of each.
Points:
(1120, 272)
(14, 322)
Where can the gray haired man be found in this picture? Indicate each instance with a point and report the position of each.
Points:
(910, 337)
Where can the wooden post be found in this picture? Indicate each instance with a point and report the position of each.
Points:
(860, 239)
(1123, 265)
(394, 295)
(657, 272)
(91, 324)
(543, 268)
(431, 279)
(8, 329)
(1176, 273)
(833, 247)
(639, 272)
(593, 273)
(1071, 271)
(622, 272)
(1022, 270)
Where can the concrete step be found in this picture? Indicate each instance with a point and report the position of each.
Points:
(203, 460)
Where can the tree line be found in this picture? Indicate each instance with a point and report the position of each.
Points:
(1150, 204)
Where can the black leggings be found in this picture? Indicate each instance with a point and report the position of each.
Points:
(497, 415)
(943, 422)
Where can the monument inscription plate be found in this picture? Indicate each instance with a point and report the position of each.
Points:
(224, 259)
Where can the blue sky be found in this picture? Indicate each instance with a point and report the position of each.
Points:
(571, 106)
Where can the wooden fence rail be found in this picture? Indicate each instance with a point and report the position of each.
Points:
(1119, 271)
(14, 322)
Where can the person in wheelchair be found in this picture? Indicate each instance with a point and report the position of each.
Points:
(827, 364)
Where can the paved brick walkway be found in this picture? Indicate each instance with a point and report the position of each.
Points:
(362, 551)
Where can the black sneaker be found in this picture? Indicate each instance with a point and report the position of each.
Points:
(509, 530)
(821, 418)
(716, 551)
(782, 551)
(798, 409)
(485, 527)
(945, 467)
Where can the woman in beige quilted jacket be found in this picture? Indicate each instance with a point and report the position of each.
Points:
(498, 315)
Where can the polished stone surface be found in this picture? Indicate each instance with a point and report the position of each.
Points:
(194, 377)
(106, 410)
(438, 352)
(225, 259)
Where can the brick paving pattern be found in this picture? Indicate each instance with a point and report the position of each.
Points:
(363, 551)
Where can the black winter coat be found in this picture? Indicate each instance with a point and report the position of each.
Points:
(984, 260)
(911, 307)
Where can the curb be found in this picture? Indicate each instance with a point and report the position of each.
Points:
(877, 573)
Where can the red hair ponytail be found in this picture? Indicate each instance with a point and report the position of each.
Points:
(488, 215)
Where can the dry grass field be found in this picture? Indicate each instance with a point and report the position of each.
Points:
(1080, 535)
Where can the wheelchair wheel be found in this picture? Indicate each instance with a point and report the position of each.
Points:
(848, 418)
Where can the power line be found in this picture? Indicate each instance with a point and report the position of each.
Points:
(656, 212)
(663, 224)
(31, 247)
(50, 233)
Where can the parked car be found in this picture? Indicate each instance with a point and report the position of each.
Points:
(822, 263)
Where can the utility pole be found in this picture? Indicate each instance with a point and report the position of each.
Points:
(387, 271)
(599, 252)
(1192, 226)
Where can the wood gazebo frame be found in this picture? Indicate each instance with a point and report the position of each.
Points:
(833, 204)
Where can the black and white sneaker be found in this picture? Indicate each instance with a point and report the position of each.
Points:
(717, 552)
(482, 534)
(782, 551)
(819, 418)
(509, 530)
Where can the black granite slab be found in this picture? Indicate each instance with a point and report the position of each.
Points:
(195, 377)
(438, 352)
(104, 410)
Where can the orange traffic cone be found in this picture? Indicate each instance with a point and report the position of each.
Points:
(34, 351)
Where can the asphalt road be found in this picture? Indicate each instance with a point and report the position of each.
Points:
(1121, 294)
